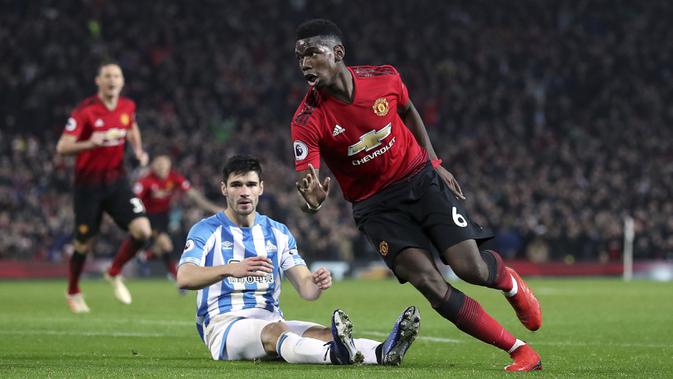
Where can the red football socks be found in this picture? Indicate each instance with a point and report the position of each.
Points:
(170, 264)
(76, 265)
(473, 320)
(126, 251)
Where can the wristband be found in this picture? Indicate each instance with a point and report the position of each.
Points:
(436, 163)
(313, 209)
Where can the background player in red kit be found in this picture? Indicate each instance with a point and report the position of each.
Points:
(361, 121)
(96, 133)
(157, 189)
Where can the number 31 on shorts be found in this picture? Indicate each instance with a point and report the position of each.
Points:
(458, 218)
(138, 206)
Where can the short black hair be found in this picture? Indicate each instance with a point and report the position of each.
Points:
(241, 164)
(107, 62)
(319, 27)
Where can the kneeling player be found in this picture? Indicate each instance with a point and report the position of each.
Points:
(236, 260)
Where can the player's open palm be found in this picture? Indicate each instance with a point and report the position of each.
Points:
(310, 188)
(254, 266)
(450, 181)
(322, 278)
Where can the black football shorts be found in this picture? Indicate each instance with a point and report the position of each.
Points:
(115, 199)
(159, 222)
(419, 212)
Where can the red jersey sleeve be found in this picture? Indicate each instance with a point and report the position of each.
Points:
(76, 122)
(403, 95)
(184, 184)
(305, 141)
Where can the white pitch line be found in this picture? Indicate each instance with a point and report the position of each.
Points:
(567, 343)
(84, 334)
(110, 321)
(368, 332)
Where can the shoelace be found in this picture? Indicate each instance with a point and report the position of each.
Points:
(329, 347)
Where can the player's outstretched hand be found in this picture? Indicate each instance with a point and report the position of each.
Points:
(322, 278)
(310, 188)
(254, 266)
(450, 181)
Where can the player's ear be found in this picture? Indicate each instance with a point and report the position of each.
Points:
(261, 187)
(223, 187)
(339, 52)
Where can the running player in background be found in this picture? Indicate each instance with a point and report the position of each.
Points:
(156, 190)
(96, 133)
(236, 260)
(361, 121)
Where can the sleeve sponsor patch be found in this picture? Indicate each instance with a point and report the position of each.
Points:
(300, 150)
(188, 246)
(71, 125)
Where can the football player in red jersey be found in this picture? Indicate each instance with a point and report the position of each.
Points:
(362, 123)
(96, 133)
(156, 190)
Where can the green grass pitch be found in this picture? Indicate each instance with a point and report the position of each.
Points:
(591, 328)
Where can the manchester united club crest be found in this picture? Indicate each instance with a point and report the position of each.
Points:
(125, 119)
(381, 107)
(383, 248)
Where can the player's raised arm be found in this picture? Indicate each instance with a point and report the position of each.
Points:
(412, 119)
(193, 277)
(311, 189)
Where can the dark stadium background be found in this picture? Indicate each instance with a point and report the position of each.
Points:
(555, 116)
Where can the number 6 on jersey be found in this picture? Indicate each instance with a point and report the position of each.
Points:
(458, 218)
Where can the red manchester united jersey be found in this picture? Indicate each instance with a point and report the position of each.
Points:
(156, 193)
(103, 164)
(365, 143)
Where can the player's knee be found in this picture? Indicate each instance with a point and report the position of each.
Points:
(140, 229)
(270, 335)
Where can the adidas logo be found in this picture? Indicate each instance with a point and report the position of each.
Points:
(270, 247)
(337, 130)
(227, 245)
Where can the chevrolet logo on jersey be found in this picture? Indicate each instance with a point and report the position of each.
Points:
(370, 140)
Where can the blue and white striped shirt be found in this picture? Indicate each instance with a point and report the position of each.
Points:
(216, 241)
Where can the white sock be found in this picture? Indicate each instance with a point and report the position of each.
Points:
(296, 349)
(514, 290)
(368, 349)
(516, 345)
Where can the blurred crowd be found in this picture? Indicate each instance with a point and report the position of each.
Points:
(553, 116)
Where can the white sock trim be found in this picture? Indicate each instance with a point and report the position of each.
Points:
(516, 345)
(514, 290)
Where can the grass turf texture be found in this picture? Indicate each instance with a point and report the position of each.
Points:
(591, 328)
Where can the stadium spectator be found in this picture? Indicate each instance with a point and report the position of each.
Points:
(236, 258)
